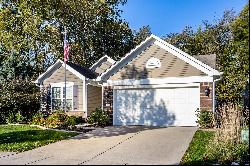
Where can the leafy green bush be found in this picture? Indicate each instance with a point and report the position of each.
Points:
(71, 121)
(98, 117)
(205, 119)
(19, 100)
(39, 119)
(56, 119)
(227, 152)
(14, 118)
(11, 118)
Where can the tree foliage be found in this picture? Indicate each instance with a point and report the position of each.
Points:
(18, 97)
(142, 34)
(31, 33)
(227, 38)
(31, 39)
(235, 60)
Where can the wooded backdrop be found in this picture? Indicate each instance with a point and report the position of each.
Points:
(31, 40)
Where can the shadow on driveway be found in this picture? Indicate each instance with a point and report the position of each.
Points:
(111, 131)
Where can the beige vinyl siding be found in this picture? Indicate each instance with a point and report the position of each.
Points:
(171, 66)
(94, 98)
(58, 76)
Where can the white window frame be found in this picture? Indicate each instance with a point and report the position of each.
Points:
(62, 85)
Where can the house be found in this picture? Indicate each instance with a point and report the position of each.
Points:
(154, 84)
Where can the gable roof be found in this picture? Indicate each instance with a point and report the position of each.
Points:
(170, 66)
(164, 45)
(83, 70)
(80, 71)
(103, 64)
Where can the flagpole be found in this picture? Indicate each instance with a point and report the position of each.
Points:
(65, 102)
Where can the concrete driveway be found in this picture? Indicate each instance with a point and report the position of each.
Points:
(112, 145)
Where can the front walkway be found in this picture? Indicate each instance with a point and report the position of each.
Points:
(112, 145)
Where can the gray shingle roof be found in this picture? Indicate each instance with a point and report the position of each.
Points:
(83, 70)
(210, 59)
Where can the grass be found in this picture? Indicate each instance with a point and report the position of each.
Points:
(197, 148)
(19, 138)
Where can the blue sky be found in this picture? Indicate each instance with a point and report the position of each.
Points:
(169, 16)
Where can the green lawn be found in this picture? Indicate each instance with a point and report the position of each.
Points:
(18, 138)
(197, 148)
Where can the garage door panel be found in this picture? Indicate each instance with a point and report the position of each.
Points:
(156, 107)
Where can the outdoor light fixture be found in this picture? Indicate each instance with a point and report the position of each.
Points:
(207, 91)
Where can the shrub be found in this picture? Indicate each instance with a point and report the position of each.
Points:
(15, 118)
(56, 119)
(19, 100)
(11, 118)
(71, 121)
(225, 152)
(205, 119)
(98, 117)
(39, 119)
(2, 118)
(227, 146)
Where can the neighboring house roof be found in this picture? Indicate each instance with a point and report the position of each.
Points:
(102, 64)
(163, 45)
(79, 71)
(210, 59)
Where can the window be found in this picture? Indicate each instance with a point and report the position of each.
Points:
(58, 96)
(153, 63)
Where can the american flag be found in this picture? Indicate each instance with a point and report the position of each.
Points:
(66, 50)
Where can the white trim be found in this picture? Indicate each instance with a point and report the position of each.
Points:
(114, 106)
(156, 81)
(50, 68)
(213, 101)
(59, 84)
(141, 47)
(112, 61)
(158, 86)
(199, 97)
(83, 98)
(189, 59)
(102, 97)
(85, 101)
(79, 75)
(168, 47)
(194, 87)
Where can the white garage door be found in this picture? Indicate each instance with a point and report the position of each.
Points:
(156, 107)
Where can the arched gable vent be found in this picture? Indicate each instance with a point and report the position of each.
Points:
(153, 63)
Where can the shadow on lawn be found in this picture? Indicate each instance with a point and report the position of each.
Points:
(32, 136)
